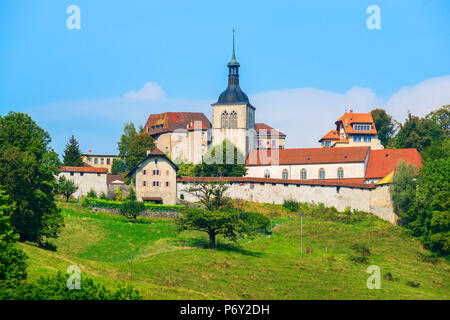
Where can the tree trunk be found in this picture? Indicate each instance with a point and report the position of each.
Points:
(212, 240)
(67, 198)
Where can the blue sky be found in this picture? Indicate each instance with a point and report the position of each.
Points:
(302, 62)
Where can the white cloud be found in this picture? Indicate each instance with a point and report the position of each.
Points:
(420, 99)
(150, 91)
(304, 114)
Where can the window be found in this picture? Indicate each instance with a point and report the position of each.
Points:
(224, 120)
(156, 183)
(144, 172)
(233, 120)
(327, 143)
(267, 174)
(96, 160)
(71, 173)
(367, 138)
(102, 161)
(321, 173)
(167, 172)
(303, 174)
(144, 183)
(356, 138)
(156, 161)
(90, 160)
(274, 143)
(108, 161)
(167, 183)
(177, 149)
(81, 174)
(285, 174)
(156, 172)
(153, 128)
(203, 147)
(178, 138)
(340, 173)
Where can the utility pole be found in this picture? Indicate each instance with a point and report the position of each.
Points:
(301, 232)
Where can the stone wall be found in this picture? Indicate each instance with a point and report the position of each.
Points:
(369, 199)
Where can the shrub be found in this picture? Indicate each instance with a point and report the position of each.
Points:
(132, 209)
(103, 196)
(413, 284)
(118, 195)
(55, 288)
(291, 205)
(92, 194)
(110, 204)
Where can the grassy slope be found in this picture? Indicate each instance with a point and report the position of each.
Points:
(165, 265)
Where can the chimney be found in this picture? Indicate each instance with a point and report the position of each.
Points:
(90, 151)
(351, 110)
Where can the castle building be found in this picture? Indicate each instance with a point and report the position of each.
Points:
(268, 137)
(353, 129)
(98, 160)
(233, 117)
(181, 135)
(155, 178)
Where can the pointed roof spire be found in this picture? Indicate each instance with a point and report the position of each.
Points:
(233, 61)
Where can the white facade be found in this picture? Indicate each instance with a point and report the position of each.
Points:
(350, 170)
(371, 199)
(87, 181)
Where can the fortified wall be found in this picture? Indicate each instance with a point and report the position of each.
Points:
(360, 196)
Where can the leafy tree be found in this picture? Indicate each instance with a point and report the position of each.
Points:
(12, 260)
(28, 170)
(210, 193)
(72, 155)
(417, 133)
(222, 161)
(403, 189)
(384, 125)
(228, 222)
(129, 132)
(429, 217)
(118, 166)
(132, 209)
(66, 187)
(138, 149)
(185, 169)
(54, 287)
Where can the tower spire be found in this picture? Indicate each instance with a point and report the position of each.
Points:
(233, 61)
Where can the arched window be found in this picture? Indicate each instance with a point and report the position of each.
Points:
(321, 173)
(233, 120)
(267, 174)
(285, 174)
(340, 173)
(303, 174)
(224, 120)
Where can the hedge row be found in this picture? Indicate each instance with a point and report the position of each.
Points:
(109, 204)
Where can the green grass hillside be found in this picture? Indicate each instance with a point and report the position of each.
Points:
(163, 264)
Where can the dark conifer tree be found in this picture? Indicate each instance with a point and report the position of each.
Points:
(72, 155)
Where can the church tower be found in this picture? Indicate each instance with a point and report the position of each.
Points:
(233, 117)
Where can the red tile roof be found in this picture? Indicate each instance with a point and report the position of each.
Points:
(337, 183)
(307, 156)
(262, 128)
(348, 119)
(171, 121)
(155, 151)
(83, 169)
(382, 162)
(332, 135)
(110, 178)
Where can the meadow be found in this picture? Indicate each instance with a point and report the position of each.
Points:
(164, 264)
